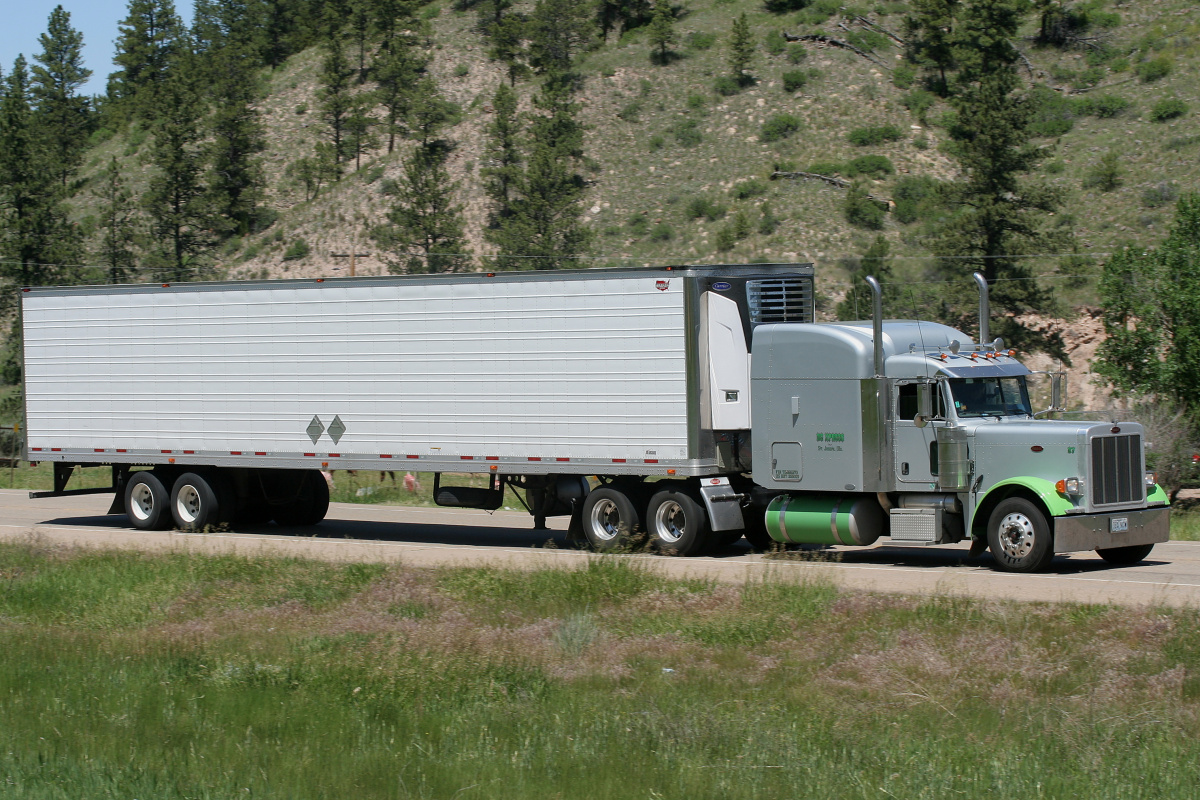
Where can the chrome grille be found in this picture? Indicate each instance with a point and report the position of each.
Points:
(1117, 475)
(780, 300)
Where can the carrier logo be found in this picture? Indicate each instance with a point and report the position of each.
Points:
(721, 286)
(662, 286)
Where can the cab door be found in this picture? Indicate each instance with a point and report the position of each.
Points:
(914, 448)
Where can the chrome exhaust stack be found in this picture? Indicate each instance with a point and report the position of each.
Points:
(982, 283)
(877, 322)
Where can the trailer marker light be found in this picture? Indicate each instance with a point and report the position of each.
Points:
(97, 449)
(235, 452)
(166, 452)
(189, 452)
(320, 280)
(618, 461)
(412, 456)
(36, 449)
(122, 450)
(170, 461)
(260, 454)
(491, 458)
(651, 460)
(535, 458)
(166, 285)
(334, 455)
(382, 455)
(55, 449)
(491, 274)
(670, 472)
(493, 467)
(562, 459)
(310, 455)
(24, 290)
(1037, 448)
(466, 458)
(324, 463)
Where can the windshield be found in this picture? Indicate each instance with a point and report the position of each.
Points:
(978, 397)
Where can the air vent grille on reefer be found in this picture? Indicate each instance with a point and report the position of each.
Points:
(780, 300)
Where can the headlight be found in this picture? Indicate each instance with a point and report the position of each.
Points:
(1151, 480)
(1069, 487)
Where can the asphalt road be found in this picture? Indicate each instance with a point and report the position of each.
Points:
(445, 537)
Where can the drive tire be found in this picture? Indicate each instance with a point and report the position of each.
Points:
(1124, 556)
(756, 530)
(1019, 536)
(610, 519)
(147, 502)
(677, 523)
(201, 502)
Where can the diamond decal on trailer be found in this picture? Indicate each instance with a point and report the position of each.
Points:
(336, 429)
(315, 429)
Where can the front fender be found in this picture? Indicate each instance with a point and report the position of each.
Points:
(1055, 504)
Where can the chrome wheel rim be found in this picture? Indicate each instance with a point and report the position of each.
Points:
(670, 524)
(188, 504)
(1017, 535)
(141, 502)
(605, 520)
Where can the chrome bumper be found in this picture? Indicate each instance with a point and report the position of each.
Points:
(1095, 531)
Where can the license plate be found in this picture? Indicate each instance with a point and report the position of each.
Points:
(1118, 524)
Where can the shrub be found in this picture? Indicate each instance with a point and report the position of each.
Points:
(874, 135)
(1104, 106)
(779, 127)
(1154, 69)
(661, 233)
(726, 239)
(743, 190)
(631, 112)
(740, 225)
(298, 249)
(657, 142)
(638, 224)
(915, 197)
(264, 218)
(1169, 108)
(1055, 167)
(687, 133)
(826, 168)
(389, 187)
(861, 211)
(696, 101)
(1105, 175)
(796, 53)
(768, 222)
(903, 76)
(794, 80)
(919, 101)
(727, 86)
(701, 41)
(461, 71)
(703, 208)
(1159, 195)
(871, 166)
(1053, 114)
(774, 43)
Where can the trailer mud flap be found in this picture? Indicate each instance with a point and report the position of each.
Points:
(488, 499)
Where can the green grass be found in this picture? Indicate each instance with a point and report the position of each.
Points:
(172, 676)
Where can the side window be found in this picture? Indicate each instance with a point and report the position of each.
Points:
(906, 401)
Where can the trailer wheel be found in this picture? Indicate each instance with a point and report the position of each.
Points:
(199, 502)
(147, 502)
(1019, 536)
(311, 503)
(1124, 556)
(677, 523)
(609, 518)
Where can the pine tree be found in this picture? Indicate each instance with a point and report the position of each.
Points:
(662, 30)
(427, 230)
(236, 181)
(150, 39)
(360, 129)
(336, 99)
(429, 113)
(361, 19)
(929, 39)
(741, 49)
(875, 261)
(557, 30)
(396, 73)
(503, 170)
(544, 230)
(118, 228)
(63, 116)
(508, 46)
(176, 200)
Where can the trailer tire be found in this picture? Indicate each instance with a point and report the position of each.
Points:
(1124, 556)
(1019, 536)
(201, 502)
(610, 518)
(677, 523)
(311, 503)
(147, 502)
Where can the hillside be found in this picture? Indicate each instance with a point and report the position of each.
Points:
(658, 137)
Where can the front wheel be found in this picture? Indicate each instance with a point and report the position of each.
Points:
(609, 518)
(677, 523)
(1124, 556)
(1019, 536)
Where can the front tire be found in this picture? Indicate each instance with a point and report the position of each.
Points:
(677, 523)
(1124, 556)
(147, 502)
(609, 518)
(1019, 536)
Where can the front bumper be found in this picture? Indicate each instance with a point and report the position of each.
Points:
(1095, 531)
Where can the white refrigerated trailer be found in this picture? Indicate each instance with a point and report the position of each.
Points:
(215, 402)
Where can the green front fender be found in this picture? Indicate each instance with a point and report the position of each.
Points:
(1055, 503)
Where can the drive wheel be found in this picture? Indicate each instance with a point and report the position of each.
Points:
(310, 504)
(677, 523)
(1124, 556)
(756, 529)
(198, 502)
(147, 502)
(609, 518)
(1019, 536)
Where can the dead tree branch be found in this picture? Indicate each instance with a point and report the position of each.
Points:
(832, 42)
(840, 183)
(879, 29)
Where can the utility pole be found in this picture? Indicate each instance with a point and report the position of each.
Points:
(352, 256)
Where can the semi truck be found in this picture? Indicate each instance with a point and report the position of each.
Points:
(688, 406)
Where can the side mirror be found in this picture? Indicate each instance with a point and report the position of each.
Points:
(924, 404)
(1057, 393)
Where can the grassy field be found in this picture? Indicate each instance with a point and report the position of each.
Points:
(175, 676)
